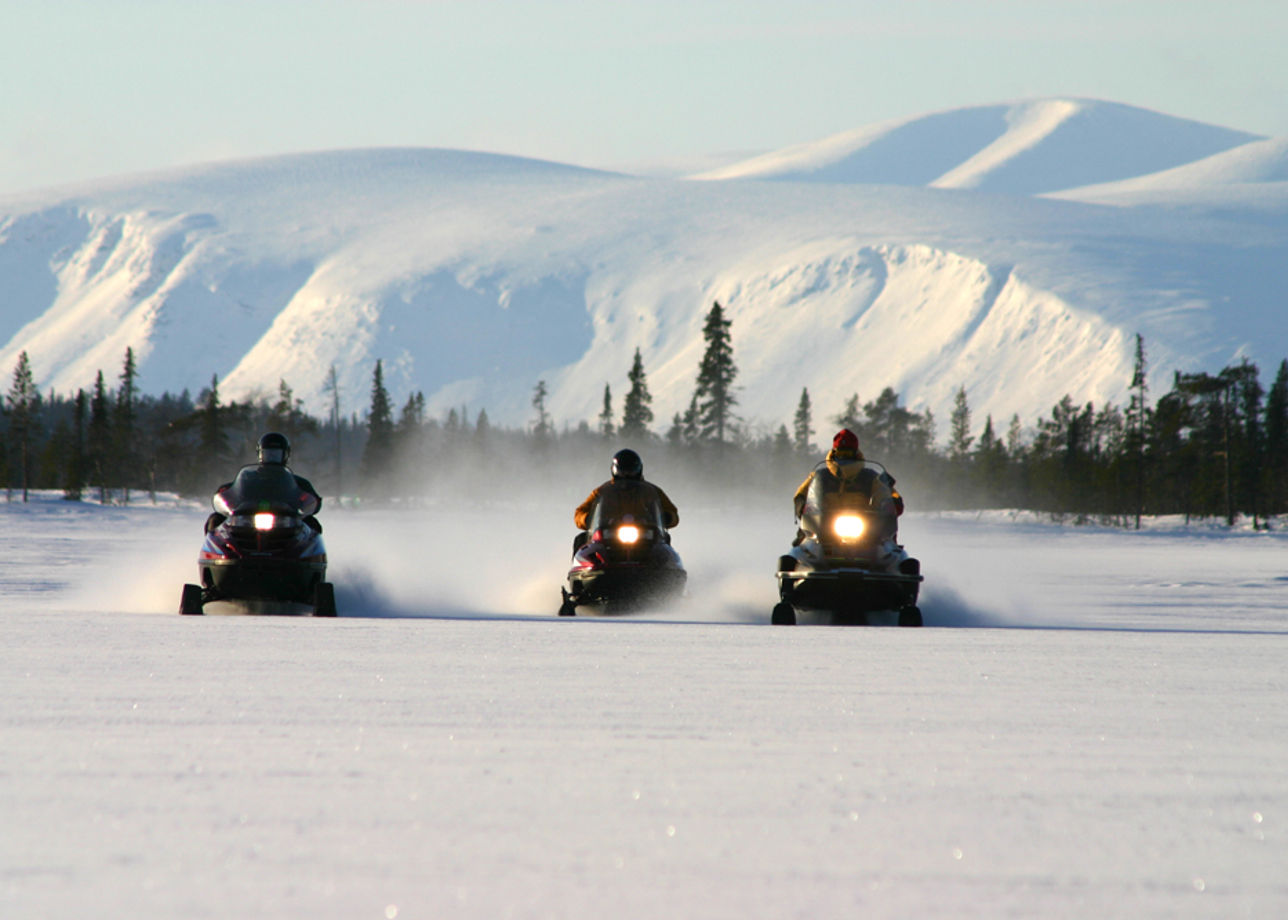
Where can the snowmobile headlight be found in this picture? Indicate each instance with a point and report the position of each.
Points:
(848, 526)
(265, 521)
(628, 533)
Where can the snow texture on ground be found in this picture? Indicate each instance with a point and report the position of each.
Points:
(1092, 724)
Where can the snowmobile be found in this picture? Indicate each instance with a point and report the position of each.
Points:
(263, 548)
(622, 562)
(846, 565)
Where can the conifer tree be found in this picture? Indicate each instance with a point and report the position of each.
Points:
(990, 461)
(690, 427)
(606, 428)
(543, 428)
(675, 434)
(1014, 437)
(803, 427)
(24, 410)
(410, 431)
(637, 411)
(1249, 442)
(714, 395)
(1277, 440)
(1137, 420)
(74, 476)
(377, 457)
(850, 416)
(100, 436)
(782, 441)
(124, 434)
(959, 436)
(332, 386)
(288, 416)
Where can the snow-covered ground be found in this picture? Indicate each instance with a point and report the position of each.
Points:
(1093, 723)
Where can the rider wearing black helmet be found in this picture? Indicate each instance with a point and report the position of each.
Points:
(628, 484)
(274, 450)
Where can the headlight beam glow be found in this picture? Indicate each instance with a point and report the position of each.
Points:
(848, 526)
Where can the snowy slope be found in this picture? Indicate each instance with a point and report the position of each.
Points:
(1242, 172)
(1021, 148)
(474, 275)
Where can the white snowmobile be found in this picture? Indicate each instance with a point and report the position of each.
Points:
(846, 565)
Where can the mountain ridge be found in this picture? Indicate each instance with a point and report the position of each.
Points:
(473, 276)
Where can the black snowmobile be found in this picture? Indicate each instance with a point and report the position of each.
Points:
(263, 548)
(622, 563)
(846, 565)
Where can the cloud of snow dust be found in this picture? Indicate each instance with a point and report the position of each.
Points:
(507, 553)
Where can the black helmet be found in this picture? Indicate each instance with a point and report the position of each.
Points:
(274, 448)
(627, 465)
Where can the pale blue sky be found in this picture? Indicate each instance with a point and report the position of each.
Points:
(98, 88)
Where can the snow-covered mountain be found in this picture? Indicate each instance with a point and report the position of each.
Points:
(474, 275)
(1020, 148)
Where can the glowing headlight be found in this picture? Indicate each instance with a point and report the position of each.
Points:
(628, 533)
(265, 521)
(848, 526)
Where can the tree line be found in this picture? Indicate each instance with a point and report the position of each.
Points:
(1214, 445)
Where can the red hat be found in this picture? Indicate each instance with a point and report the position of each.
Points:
(845, 440)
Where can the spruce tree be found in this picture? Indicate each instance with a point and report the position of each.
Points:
(409, 434)
(1276, 440)
(803, 424)
(675, 434)
(1014, 437)
(377, 457)
(1137, 420)
(606, 428)
(74, 476)
(543, 428)
(959, 436)
(126, 453)
(288, 416)
(24, 409)
(637, 412)
(100, 437)
(990, 461)
(691, 428)
(783, 443)
(332, 386)
(482, 433)
(850, 416)
(714, 394)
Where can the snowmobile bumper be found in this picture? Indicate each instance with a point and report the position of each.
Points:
(851, 592)
(261, 579)
(624, 588)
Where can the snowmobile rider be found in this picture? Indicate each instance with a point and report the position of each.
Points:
(274, 450)
(844, 464)
(629, 488)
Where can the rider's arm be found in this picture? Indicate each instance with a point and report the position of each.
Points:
(894, 493)
(798, 500)
(310, 500)
(670, 514)
(581, 516)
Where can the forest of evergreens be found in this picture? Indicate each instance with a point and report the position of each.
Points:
(1214, 445)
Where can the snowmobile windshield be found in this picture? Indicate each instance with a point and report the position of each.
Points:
(627, 499)
(853, 491)
(270, 487)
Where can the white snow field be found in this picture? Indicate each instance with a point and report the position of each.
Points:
(1093, 723)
